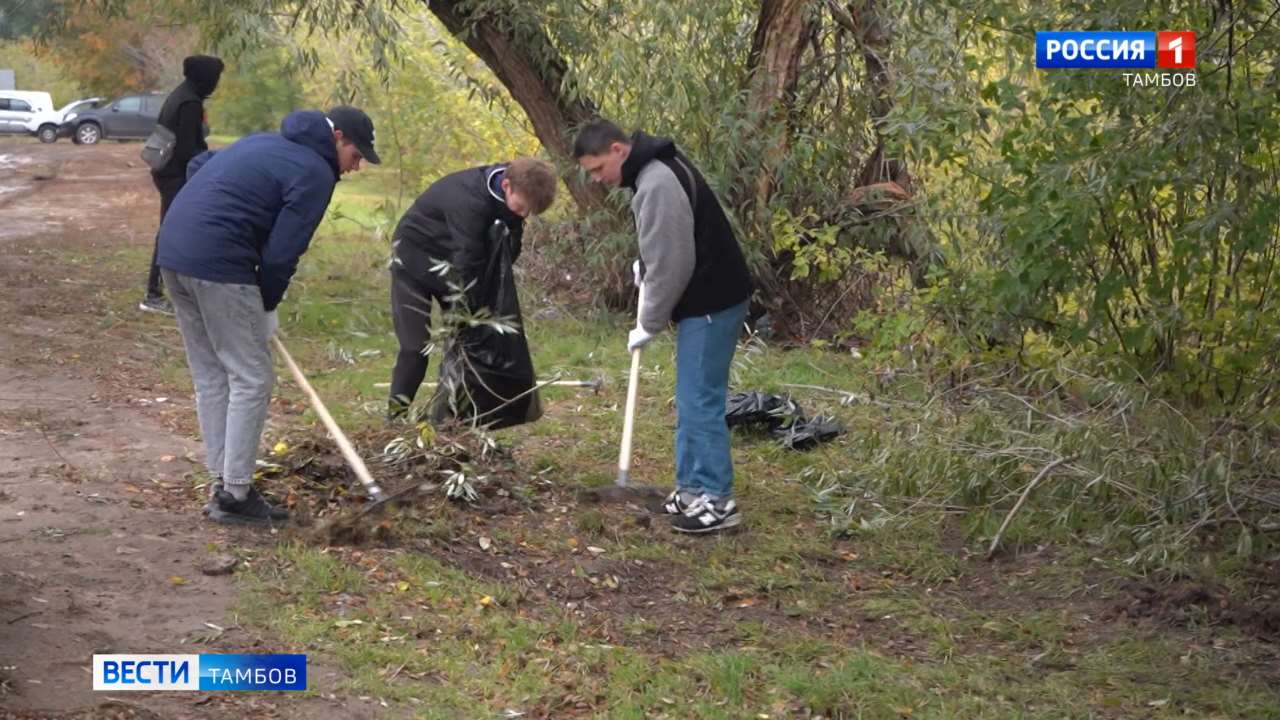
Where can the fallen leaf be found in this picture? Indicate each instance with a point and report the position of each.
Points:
(166, 458)
(595, 550)
(485, 543)
(402, 586)
(279, 448)
(347, 623)
(747, 602)
(177, 580)
(486, 601)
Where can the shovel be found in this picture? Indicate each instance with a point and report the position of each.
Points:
(622, 491)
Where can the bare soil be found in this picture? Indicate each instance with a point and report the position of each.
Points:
(101, 541)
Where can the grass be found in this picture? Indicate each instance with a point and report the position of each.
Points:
(858, 589)
(427, 641)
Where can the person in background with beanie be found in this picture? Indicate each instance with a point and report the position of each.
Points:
(228, 249)
(182, 113)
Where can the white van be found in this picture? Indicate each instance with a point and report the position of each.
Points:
(19, 107)
(45, 125)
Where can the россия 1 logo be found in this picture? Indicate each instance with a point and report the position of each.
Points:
(1122, 50)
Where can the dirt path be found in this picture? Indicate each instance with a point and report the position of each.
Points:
(101, 544)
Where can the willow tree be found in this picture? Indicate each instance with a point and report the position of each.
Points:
(779, 100)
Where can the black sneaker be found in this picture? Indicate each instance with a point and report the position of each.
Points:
(157, 304)
(214, 489)
(253, 510)
(397, 408)
(707, 516)
(675, 504)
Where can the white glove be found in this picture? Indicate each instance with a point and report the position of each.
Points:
(638, 338)
(635, 272)
(273, 323)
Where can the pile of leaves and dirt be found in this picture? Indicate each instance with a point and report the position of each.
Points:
(462, 499)
(419, 468)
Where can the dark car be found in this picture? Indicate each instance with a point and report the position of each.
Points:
(129, 116)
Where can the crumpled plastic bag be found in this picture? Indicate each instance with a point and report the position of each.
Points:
(804, 433)
(757, 408)
(782, 418)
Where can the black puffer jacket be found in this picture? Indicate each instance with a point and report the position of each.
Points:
(453, 220)
(183, 112)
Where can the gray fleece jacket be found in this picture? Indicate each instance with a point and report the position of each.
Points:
(664, 225)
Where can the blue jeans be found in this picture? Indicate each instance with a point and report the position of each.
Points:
(704, 353)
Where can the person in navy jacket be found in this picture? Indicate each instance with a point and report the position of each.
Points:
(228, 248)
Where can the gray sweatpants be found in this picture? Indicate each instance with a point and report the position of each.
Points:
(225, 331)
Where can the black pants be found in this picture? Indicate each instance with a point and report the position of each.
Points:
(411, 299)
(168, 187)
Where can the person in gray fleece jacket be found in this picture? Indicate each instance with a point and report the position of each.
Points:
(695, 276)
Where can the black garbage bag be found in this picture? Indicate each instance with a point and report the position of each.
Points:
(486, 375)
(782, 418)
(804, 433)
(757, 408)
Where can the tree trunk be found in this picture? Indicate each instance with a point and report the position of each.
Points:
(772, 73)
(535, 74)
(873, 35)
(773, 68)
(884, 183)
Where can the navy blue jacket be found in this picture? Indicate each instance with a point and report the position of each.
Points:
(248, 211)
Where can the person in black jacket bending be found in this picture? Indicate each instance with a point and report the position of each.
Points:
(182, 113)
(450, 223)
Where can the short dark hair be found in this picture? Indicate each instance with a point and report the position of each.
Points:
(596, 137)
(534, 179)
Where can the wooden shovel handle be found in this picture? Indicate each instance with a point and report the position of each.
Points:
(629, 416)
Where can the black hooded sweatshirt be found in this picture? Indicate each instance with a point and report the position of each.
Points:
(183, 112)
(720, 278)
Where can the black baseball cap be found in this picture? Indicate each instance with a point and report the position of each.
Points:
(356, 127)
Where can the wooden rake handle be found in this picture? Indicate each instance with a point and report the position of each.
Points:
(348, 451)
